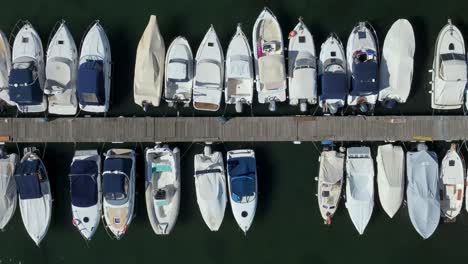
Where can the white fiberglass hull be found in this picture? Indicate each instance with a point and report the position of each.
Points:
(452, 181)
(9, 198)
(330, 182)
(5, 67)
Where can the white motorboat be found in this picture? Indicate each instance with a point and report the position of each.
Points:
(396, 68)
(359, 186)
(270, 70)
(239, 74)
(61, 72)
(302, 62)
(149, 67)
(210, 187)
(449, 69)
(94, 71)
(242, 182)
(422, 192)
(86, 192)
(8, 198)
(27, 76)
(209, 73)
(118, 188)
(363, 67)
(35, 198)
(452, 181)
(162, 187)
(330, 182)
(333, 75)
(5, 67)
(391, 177)
(178, 80)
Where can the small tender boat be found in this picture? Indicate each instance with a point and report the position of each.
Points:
(94, 71)
(35, 199)
(209, 72)
(449, 73)
(239, 71)
(242, 182)
(61, 72)
(162, 187)
(330, 182)
(396, 68)
(422, 191)
(210, 186)
(391, 177)
(85, 191)
(302, 67)
(452, 181)
(26, 80)
(5, 67)
(270, 70)
(363, 67)
(178, 80)
(118, 187)
(359, 186)
(333, 75)
(8, 199)
(149, 66)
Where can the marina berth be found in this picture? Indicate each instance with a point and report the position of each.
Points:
(8, 197)
(5, 67)
(178, 78)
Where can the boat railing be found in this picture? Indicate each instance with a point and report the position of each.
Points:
(54, 30)
(16, 28)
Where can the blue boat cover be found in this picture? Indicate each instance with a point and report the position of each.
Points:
(364, 79)
(83, 184)
(120, 168)
(27, 180)
(243, 178)
(334, 86)
(90, 84)
(24, 89)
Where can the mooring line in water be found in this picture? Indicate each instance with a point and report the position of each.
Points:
(316, 148)
(315, 111)
(185, 152)
(43, 153)
(251, 110)
(102, 148)
(18, 149)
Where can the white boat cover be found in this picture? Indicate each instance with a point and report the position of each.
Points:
(8, 196)
(359, 186)
(396, 68)
(331, 167)
(422, 191)
(5, 66)
(390, 177)
(272, 72)
(452, 180)
(149, 66)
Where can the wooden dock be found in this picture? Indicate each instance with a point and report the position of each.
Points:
(238, 129)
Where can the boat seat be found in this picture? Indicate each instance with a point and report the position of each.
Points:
(58, 73)
(178, 70)
(208, 106)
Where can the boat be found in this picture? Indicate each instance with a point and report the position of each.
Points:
(61, 72)
(302, 67)
(449, 73)
(359, 186)
(27, 77)
(391, 177)
(86, 192)
(149, 67)
(210, 186)
(363, 67)
(396, 66)
(5, 67)
(239, 76)
(94, 71)
(333, 75)
(162, 187)
(118, 188)
(270, 70)
(8, 199)
(330, 182)
(209, 72)
(452, 181)
(35, 198)
(242, 182)
(422, 192)
(178, 76)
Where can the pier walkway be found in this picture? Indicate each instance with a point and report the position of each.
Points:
(238, 129)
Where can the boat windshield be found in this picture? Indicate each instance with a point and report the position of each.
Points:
(243, 180)
(115, 196)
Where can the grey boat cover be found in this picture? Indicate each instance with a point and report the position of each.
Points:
(8, 197)
(331, 167)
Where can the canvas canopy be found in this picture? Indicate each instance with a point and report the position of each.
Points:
(208, 73)
(27, 180)
(90, 83)
(242, 176)
(453, 67)
(24, 87)
(240, 66)
(177, 70)
(271, 70)
(83, 185)
(116, 170)
(364, 78)
(208, 176)
(334, 85)
(331, 167)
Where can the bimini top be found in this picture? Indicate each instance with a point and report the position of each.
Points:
(453, 67)
(334, 86)
(83, 185)
(90, 86)
(242, 173)
(115, 172)
(27, 180)
(364, 73)
(24, 86)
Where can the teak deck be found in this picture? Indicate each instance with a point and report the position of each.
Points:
(238, 129)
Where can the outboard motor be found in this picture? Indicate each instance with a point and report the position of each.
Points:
(389, 103)
(2, 152)
(303, 105)
(332, 108)
(364, 107)
(272, 106)
(145, 106)
(239, 107)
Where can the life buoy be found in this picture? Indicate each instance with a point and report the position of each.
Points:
(76, 222)
(292, 33)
